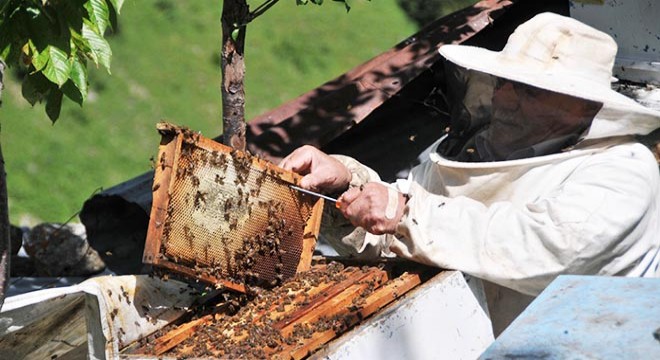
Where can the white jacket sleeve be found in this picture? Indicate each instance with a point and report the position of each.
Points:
(594, 223)
(336, 230)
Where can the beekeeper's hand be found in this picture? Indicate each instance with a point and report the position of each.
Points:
(321, 172)
(375, 207)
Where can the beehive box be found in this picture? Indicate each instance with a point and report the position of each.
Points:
(225, 217)
(289, 321)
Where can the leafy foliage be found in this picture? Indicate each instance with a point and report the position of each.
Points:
(52, 40)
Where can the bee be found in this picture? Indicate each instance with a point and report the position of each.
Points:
(200, 198)
(195, 181)
(219, 179)
(189, 236)
(113, 314)
(163, 162)
(203, 157)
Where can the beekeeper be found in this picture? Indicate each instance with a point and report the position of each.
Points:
(540, 174)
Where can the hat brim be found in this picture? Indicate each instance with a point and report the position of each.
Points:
(493, 63)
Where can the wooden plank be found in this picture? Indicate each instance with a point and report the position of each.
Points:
(289, 311)
(311, 232)
(165, 167)
(334, 304)
(346, 302)
(372, 303)
(54, 333)
(389, 293)
(333, 291)
(175, 337)
(303, 294)
(172, 338)
(185, 270)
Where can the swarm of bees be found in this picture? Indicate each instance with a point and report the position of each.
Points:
(246, 327)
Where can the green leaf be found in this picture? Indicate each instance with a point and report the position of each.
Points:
(301, 2)
(100, 51)
(58, 67)
(38, 59)
(317, 2)
(79, 45)
(78, 77)
(54, 105)
(117, 4)
(98, 14)
(72, 92)
(35, 87)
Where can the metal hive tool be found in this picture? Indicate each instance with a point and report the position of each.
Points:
(225, 217)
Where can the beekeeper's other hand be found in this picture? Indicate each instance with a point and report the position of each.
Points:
(375, 207)
(321, 172)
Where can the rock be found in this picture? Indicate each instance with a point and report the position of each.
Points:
(62, 250)
(16, 238)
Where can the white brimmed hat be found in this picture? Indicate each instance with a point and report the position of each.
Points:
(563, 55)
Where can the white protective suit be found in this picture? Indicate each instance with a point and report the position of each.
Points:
(591, 209)
(520, 223)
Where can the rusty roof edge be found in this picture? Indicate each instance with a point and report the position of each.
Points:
(346, 100)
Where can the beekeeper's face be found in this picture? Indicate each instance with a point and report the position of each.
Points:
(524, 116)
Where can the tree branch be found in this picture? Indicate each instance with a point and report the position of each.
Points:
(5, 251)
(261, 9)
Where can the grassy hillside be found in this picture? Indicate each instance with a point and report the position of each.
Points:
(166, 66)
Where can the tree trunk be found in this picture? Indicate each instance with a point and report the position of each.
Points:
(5, 251)
(234, 18)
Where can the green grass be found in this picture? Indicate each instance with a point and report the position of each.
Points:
(166, 66)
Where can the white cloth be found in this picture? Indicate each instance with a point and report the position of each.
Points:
(520, 223)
